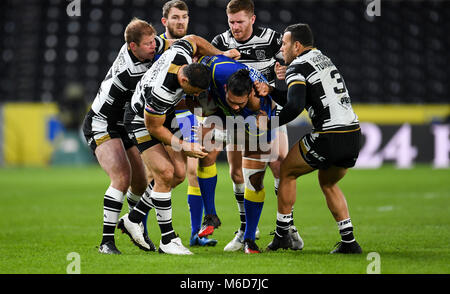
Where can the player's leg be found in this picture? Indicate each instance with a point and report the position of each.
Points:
(328, 180)
(138, 187)
(186, 120)
(112, 158)
(195, 202)
(292, 167)
(234, 158)
(345, 147)
(280, 149)
(162, 199)
(207, 179)
(254, 167)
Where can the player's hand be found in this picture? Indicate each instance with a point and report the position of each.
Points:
(280, 71)
(262, 120)
(194, 150)
(232, 53)
(262, 89)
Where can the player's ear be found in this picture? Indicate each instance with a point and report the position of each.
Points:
(164, 21)
(253, 18)
(298, 46)
(184, 80)
(133, 46)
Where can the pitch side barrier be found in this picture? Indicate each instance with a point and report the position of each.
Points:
(402, 135)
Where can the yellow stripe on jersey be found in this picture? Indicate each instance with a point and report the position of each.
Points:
(337, 132)
(173, 68)
(214, 70)
(296, 83)
(102, 140)
(303, 147)
(144, 139)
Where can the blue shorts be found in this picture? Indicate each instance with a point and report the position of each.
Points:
(186, 120)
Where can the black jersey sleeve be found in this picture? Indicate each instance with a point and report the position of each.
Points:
(295, 103)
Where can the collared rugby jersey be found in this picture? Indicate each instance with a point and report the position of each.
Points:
(120, 82)
(260, 51)
(159, 90)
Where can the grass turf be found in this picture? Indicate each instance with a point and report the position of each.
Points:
(403, 215)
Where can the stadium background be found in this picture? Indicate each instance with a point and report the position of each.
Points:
(395, 66)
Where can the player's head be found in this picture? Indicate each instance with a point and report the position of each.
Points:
(175, 18)
(140, 37)
(238, 89)
(241, 17)
(195, 78)
(296, 39)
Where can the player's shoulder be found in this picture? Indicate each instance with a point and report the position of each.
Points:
(125, 62)
(223, 41)
(265, 32)
(183, 46)
(304, 63)
(269, 35)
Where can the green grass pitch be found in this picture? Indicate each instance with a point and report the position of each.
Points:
(403, 215)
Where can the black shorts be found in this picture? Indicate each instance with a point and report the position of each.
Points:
(97, 130)
(137, 131)
(325, 149)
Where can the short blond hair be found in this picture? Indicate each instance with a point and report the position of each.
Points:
(136, 29)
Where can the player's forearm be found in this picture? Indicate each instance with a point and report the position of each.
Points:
(203, 46)
(160, 132)
(295, 103)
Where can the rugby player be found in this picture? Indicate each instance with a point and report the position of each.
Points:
(259, 48)
(104, 131)
(176, 20)
(150, 121)
(315, 84)
(232, 90)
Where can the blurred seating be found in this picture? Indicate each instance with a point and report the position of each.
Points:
(401, 56)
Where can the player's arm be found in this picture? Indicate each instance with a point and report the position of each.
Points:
(203, 47)
(293, 100)
(155, 126)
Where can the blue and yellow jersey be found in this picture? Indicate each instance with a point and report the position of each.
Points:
(222, 68)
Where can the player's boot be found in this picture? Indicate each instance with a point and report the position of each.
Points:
(237, 243)
(109, 248)
(347, 248)
(149, 241)
(297, 241)
(250, 247)
(134, 231)
(197, 241)
(210, 222)
(284, 242)
(174, 247)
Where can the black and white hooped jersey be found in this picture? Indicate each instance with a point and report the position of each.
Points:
(120, 82)
(159, 90)
(260, 51)
(327, 99)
